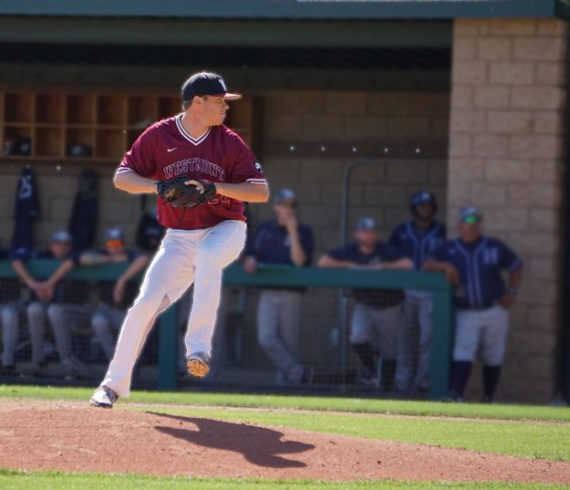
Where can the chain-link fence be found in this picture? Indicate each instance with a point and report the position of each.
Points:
(282, 329)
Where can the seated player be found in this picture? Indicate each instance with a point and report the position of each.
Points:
(63, 301)
(114, 297)
(10, 300)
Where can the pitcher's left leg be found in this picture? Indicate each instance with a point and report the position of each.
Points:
(219, 248)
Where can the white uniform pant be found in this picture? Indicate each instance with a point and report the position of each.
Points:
(184, 257)
(414, 342)
(484, 330)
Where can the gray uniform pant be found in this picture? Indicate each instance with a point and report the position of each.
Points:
(104, 321)
(414, 348)
(10, 323)
(376, 326)
(61, 317)
(278, 323)
(484, 331)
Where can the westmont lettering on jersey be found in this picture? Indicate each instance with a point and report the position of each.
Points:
(189, 165)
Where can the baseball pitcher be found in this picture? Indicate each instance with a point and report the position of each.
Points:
(202, 172)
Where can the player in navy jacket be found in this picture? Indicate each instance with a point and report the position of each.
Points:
(474, 262)
(282, 241)
(417, 239)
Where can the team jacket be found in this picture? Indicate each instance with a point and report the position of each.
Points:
(479, 265)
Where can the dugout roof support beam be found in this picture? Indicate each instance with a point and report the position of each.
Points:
(226, 33)
(290, 9)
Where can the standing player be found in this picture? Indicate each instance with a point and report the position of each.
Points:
(282, 241)
(376, 314)
(417, 239)
(199, 241)
(474, 263)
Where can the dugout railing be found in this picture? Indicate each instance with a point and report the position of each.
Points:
(278, 277)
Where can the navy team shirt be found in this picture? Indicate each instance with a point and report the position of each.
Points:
(417, 244)
(68, 291)
(271, 244)
(383, 252)
(479, 265)
(105, 288)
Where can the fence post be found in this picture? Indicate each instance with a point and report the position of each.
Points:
(442, 335)
(168, 349)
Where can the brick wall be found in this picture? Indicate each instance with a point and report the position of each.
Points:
(506, 156)
(413, 127)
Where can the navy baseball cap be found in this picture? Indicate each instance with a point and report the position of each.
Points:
(422, 197)
(61, 236)
(113, 234)
(469, 214)
(285, 195)
(206, 83)
(366, 224)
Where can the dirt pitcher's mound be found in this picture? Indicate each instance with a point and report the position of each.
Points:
(70, 436)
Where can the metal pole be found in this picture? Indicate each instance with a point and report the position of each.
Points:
(168, 349)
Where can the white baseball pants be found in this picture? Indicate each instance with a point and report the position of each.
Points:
(184, 257)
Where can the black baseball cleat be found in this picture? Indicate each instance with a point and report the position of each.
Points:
(103, 397)
(198, 364)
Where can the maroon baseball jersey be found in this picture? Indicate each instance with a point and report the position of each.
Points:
(165, 150)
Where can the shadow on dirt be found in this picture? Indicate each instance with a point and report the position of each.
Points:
(258, 445)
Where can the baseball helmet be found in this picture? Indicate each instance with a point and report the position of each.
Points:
(422, 197)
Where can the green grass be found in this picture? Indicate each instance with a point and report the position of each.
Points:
(529, 431)
(86, 481)
(526, 439)
(507, 412)
(502, 429)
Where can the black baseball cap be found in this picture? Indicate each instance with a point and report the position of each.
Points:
(206, 83)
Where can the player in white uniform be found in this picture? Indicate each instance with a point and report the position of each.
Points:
(199, 241)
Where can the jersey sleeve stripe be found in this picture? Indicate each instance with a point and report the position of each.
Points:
(122, 170)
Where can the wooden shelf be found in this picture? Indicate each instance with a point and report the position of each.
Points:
(55, 124)
(50, 108)
(19, 107)
(80, 109)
